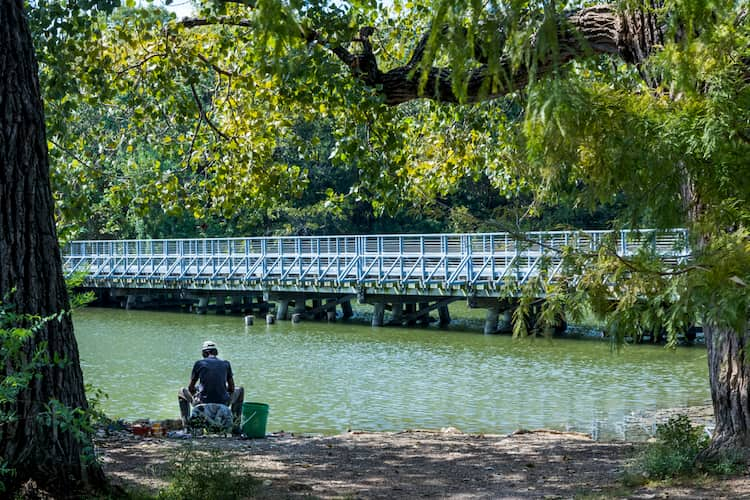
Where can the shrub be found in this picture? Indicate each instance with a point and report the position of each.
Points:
(209, 476)
(677, 446)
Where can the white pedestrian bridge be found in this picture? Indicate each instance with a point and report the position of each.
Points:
(384, 270)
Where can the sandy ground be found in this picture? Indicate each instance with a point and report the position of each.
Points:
(412, 464)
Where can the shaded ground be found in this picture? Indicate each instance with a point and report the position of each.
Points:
(410, 464)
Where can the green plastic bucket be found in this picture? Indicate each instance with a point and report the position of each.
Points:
(254, 416)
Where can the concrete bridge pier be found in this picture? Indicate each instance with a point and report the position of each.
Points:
(490, 322)
(221, 301)
(331, 309)
(282, 310)
(317, 307)
(424, 313)
(202, 305)
(378, 313)
(346, 309)
(299, 306)
(397, 313)
(236, 306)
(410, 309)
(445, 315)
(506, 323)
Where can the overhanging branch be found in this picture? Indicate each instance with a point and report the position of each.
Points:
(594, 30)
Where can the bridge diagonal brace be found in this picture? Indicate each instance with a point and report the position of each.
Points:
(451, 280)
(342, 278)
(114, 266)
(411, 271)
(289, 270)
(251, 271)
(382, 279)
(427, 310)
(331, 305)
(437, 267)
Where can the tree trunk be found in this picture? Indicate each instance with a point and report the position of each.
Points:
(30, 264)
(729, 375)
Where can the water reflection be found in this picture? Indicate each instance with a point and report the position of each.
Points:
(326, 378)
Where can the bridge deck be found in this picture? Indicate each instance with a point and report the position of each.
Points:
(456, 264)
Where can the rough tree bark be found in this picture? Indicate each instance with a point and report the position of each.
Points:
(729, 374)
(30, 264)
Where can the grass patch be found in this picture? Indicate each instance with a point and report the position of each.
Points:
(209, 476)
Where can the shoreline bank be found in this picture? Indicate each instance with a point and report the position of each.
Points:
(407, 464)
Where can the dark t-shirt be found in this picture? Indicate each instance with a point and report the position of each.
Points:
(212, 374)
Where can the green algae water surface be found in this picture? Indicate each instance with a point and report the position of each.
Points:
(326, 378)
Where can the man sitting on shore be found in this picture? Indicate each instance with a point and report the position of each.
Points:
(211, 381)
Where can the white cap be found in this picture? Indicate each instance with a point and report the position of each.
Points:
(209, 344)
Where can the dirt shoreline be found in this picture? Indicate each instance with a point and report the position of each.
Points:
(410, 464)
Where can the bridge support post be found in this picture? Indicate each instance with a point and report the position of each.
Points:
(282, 310)
(299, 307)
(445, 315)
(490, 322)
(130, 302)
(397, 312)
(506, 324)
(346, 309)
(410, 310)
(236, 306)
(331, 309)
(202, 305)
(316, 305)
(378, 313)
(221, 301)
(424, 313)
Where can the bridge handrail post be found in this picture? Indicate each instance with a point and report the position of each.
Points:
(338, 258)
(401, 258)
(469, 267)
(111, 260)
(422, 258)
(444, 249)
(380, 249)
(319, 255)
(491, 256)
(181, 255)
(264, 258)
(360, 255)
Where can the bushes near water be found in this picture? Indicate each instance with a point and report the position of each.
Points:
(675, 451)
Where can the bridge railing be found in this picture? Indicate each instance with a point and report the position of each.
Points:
(450, 260)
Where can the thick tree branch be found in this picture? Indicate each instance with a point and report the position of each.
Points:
(595, 30)
(196, 22)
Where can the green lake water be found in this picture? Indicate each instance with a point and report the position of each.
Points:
(326, 378)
